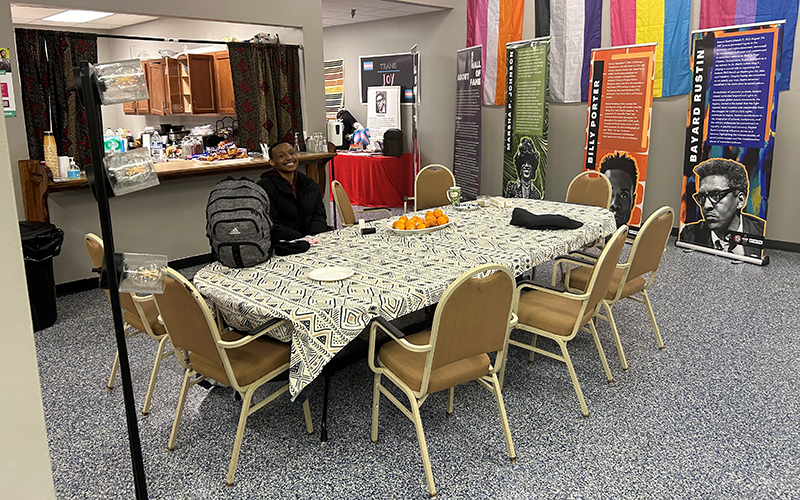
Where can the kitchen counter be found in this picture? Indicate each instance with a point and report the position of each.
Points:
(37, 181)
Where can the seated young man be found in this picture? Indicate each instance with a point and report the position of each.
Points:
(296, 205)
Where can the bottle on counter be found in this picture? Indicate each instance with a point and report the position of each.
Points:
(297, 142)
(147, 136)
(74, 172)
(156, 147)
(51, 153)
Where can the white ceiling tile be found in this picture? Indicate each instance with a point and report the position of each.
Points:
(28, 12)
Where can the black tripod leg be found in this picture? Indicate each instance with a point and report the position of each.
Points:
(323, 435)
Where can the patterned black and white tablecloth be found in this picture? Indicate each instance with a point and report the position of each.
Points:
(393, 275)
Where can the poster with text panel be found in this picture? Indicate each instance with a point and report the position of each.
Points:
(388, 71)
(730, 138)
(467, 147)
(618, 121)
(526, 118)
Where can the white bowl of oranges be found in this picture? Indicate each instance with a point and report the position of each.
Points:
(433, 220)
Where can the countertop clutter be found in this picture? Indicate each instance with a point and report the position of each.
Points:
(37, 180)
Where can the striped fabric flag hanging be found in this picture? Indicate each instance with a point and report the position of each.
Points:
(665, 22)
(574, 29)
(719, 13)
(492, 24)
(334, 87)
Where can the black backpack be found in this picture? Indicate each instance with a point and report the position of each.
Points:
(238, 223)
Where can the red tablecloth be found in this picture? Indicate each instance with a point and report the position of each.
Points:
(375, 181)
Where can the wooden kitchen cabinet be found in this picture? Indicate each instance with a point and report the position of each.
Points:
(156, 87)
(224, 83)
(197, 83)
(139, 107)
(173, 90)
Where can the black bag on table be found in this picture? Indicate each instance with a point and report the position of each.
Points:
(238, 223)
(393, 142)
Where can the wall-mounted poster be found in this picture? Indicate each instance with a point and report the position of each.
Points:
(467, 147)
(334, 87)
(730, 136)
(383, 110)
(6, 85)
(388, 71)
(618, 125)
(526, 118)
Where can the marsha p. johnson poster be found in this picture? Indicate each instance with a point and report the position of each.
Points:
(526, 120)
(730, 137)
(618, 125)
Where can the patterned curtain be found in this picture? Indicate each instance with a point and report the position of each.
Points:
(32, 67)
(65, 50)
(49, 98)
(266, 85)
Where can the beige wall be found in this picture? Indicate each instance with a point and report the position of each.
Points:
(24, 453)
(168, 219)
(441, 34)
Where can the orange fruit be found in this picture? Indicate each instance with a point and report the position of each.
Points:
(421, 225)
(429, 214)
(438, 212)
(402, 218)
(396, 223)
(399, 225)
(442, 220)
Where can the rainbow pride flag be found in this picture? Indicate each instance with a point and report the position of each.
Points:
(719, 13)
(492, 24)
(665, 22)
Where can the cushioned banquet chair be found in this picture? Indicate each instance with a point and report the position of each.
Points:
(430, 187)
(345, 209)
(244, 362)
(140, 315)
(590, 188)
(629, 278)
(560, 315)
(473, 318)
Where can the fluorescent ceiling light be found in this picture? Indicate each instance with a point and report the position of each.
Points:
(77, 16)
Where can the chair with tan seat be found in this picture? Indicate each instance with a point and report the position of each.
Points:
(430, 187)
(560, 315)
(140, 315)
(345, 209)
(473, 318)
(244, 362)
(629, 278)
(590, 188)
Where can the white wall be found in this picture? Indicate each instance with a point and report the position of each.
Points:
(169, 219)
(24, 453)
(441, 34)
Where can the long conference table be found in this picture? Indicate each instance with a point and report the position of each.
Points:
(393, 275)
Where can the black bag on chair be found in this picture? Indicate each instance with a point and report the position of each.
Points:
(393, 142)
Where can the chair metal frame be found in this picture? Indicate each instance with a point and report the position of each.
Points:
(132, 331)
(339, 199)
(417, 398)
(618, 293)
(562, 340)
(425, 171)
(191, 377)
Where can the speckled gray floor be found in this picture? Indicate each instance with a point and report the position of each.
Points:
(714, 415)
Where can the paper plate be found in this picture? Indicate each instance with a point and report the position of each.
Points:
(330, 273)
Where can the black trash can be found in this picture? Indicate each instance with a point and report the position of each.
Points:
(41, 241)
